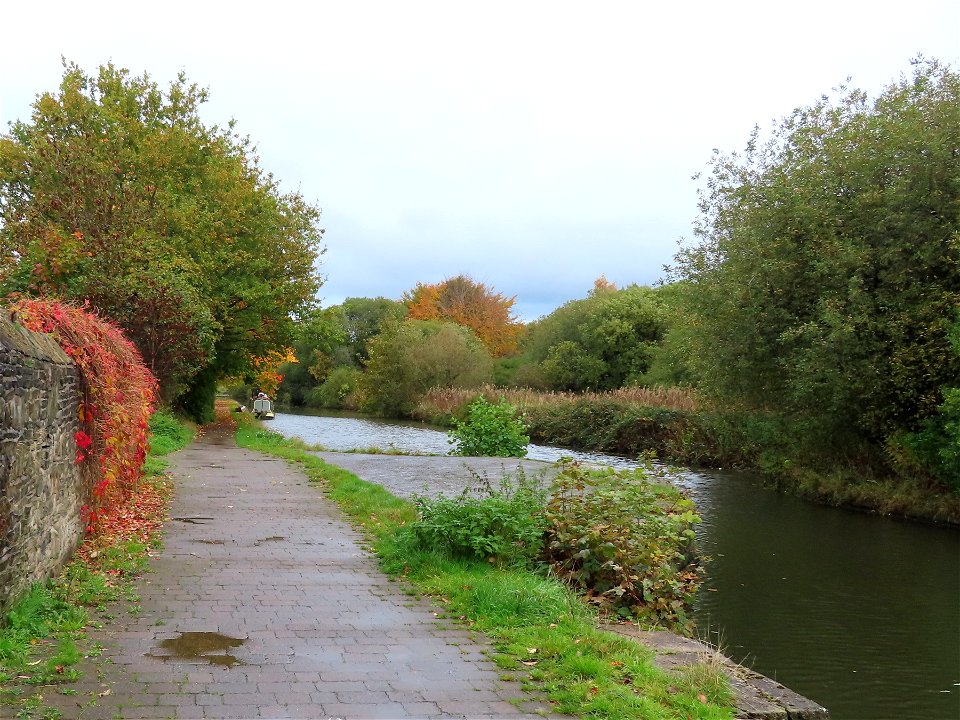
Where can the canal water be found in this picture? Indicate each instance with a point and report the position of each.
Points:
(857, 612)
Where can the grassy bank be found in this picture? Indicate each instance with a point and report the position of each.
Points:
(43, 638)
(673, 425)
(545, 637)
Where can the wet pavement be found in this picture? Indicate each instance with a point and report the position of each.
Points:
(263, 604)
(409, 475)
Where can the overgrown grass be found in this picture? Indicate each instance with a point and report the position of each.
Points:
(440, 404)
(540, 628)
(42, 637)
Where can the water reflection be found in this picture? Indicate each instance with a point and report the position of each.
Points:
(859, 613)
(207, 647)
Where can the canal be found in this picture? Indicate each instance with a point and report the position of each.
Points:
(857, 612)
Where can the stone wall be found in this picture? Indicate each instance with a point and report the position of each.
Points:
(41, 487)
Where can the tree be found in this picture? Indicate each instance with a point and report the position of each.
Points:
(363, 319)
(466, 302)
(602, 342)
(115, 192)
(410, 357)
(827, 269)
(163, 316)
(333, 338)
(670, 365)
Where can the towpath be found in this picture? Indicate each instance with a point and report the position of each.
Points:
(263, 604)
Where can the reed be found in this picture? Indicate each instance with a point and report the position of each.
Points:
(448, 402)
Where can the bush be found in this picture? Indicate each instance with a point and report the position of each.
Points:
(626, 540)
(490, 430)
(408, 358)
(935, 449)
(167, 433)
(504, 525)
(337, 390)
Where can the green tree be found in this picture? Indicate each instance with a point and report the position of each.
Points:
(601, 342)
(410, 357)
(337, 391)
(363, 318)
(671, 362)
(828, 264)
(115, 192)
(330, 339)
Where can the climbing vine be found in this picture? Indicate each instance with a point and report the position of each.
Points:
(117, 398)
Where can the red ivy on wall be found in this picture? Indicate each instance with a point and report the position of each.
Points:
(118, 396)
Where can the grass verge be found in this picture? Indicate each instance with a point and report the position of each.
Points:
(544, 636)
(43, 636)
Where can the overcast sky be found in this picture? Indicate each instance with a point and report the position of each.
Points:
(531, 145)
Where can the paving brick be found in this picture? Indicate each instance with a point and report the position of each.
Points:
(321, 632)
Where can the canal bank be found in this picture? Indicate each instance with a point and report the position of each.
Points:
(406, 476)
(856, 611)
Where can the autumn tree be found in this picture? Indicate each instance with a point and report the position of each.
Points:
(114, 191)
(471, 304)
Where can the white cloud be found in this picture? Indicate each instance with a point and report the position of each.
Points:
(533, 145)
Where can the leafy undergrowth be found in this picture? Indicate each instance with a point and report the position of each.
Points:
(43, 638)
(544, 635)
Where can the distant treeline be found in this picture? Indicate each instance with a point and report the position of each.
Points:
(814, 325)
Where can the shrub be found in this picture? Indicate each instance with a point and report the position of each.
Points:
(626, 540)
(408, 358)
(197, 402)
(490, 430)
(338, 390)
(935, 449)
(167, 433)
(504, 524)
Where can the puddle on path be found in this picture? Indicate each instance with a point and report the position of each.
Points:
(192, 520)
(272, 538)
(199, 646)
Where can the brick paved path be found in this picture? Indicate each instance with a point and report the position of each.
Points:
(257, 554)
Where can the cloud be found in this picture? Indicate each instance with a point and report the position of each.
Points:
(532, 145)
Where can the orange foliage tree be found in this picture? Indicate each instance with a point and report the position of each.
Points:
(469, 303)
(267, 375)
(116, 404)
